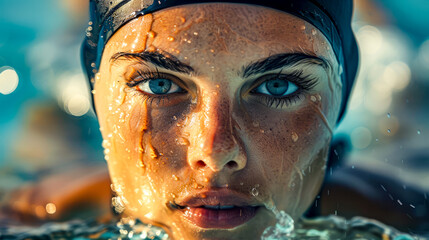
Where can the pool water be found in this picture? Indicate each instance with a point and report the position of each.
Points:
(322, 228)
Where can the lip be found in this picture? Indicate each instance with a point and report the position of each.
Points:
(217, 209)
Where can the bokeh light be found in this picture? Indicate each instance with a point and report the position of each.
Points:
(361, 137)
(8, 80)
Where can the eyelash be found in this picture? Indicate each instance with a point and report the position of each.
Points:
(304, 83)
(147, 76)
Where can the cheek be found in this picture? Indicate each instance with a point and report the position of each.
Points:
(280, 143)
(284, 135)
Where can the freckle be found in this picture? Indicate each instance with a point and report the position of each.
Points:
(170, 38)
(294, 137)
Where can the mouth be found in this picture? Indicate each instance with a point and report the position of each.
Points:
(221, 209)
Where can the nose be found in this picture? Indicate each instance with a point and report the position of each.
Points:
(215, 146)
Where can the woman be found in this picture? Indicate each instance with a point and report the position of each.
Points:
(216, 115)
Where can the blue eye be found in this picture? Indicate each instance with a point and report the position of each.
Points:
(276, 88)
(158, 86)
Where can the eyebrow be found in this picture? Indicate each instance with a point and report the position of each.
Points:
(280, 61)
(158, 58)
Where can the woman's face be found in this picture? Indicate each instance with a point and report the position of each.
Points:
(214, 115)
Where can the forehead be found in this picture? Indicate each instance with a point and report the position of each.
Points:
(223, 29)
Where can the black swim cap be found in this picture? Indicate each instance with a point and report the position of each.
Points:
(331, 17)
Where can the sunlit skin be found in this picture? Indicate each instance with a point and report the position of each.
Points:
(222, 133)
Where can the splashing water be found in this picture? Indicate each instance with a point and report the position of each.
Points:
(283, 228)
(321, 228)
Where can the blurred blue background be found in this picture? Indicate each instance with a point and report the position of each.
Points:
(47, 125)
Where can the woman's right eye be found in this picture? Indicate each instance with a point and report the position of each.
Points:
(158, 86)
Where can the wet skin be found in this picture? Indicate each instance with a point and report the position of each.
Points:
(217, 136)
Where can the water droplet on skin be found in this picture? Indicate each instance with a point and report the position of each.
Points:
(175, 177)
(175, 118)
(152, 152)
(206, 180)
(303, 27)
(389, 131)
(313, 31)
(140, 163)
(313, 98)
(419, 132)
(388, 115)
(182, 19)
(182, 141)
(256, 124)
(170, 39)
(254, 192)
(151, 34)
(294, 137)
(241, 184)
(195, 33)
(118, 204)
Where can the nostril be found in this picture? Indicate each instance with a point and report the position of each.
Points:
(200, 164)
(232, 164)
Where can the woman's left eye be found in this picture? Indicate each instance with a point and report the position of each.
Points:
(158, 86)
(276, 88)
